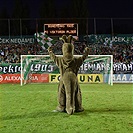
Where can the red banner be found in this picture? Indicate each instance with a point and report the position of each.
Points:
(38, 78)
(15, 78)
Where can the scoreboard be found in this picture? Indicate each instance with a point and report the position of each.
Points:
(61, 29)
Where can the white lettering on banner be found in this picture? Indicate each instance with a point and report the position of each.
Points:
(122, 67)
(115, 39)
(131, 77)
(10, 69)
(20, 41)
(118, 77)
(37, 67)
(118, 68)
(4, 40)
(12, 78)
(17, 40)
(5, 69)
(98, 66)
(123, 78)
(50, 68)
(7, 41)
(17, 69)
(129, 66)
(123, 39)
(1, 78)
(85, 67)
(33, 77)
(42, 68)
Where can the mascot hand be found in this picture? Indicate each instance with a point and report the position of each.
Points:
(87, 50)
(49, 49)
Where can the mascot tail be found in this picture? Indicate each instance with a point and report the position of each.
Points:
(70, 82)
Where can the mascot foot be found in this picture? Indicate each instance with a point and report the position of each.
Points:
(70, 111)
(79, 110)
(60, 109)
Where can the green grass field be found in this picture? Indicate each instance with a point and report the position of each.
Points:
(29, 109)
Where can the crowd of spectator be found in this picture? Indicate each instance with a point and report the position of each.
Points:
(11, 53)
(121, 52)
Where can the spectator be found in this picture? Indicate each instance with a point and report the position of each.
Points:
(10, 53)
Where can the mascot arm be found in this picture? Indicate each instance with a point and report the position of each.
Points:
(53, 56)
(84, 56)
(86, 53)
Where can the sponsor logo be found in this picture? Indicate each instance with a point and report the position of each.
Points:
(82, 78)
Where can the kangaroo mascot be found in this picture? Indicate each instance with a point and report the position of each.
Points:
(69, 93)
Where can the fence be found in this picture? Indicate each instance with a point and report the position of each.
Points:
(86, 26)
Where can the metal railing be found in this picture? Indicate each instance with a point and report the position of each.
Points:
(27, 26)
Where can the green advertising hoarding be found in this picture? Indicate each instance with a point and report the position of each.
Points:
(108, 38)
(17, 40)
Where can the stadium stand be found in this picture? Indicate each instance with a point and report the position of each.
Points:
(10, 53)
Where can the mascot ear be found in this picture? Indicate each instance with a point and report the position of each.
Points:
(64, 38)
(70, 38)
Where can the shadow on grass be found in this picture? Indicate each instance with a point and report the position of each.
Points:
(108, 111)
(41, 114)
(38, 114)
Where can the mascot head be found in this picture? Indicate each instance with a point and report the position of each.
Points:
(67, 47)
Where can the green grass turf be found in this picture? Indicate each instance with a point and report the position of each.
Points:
(28, 109)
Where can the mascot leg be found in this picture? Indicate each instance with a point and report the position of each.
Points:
(69, 81)
(78, 100)
(61, 97)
